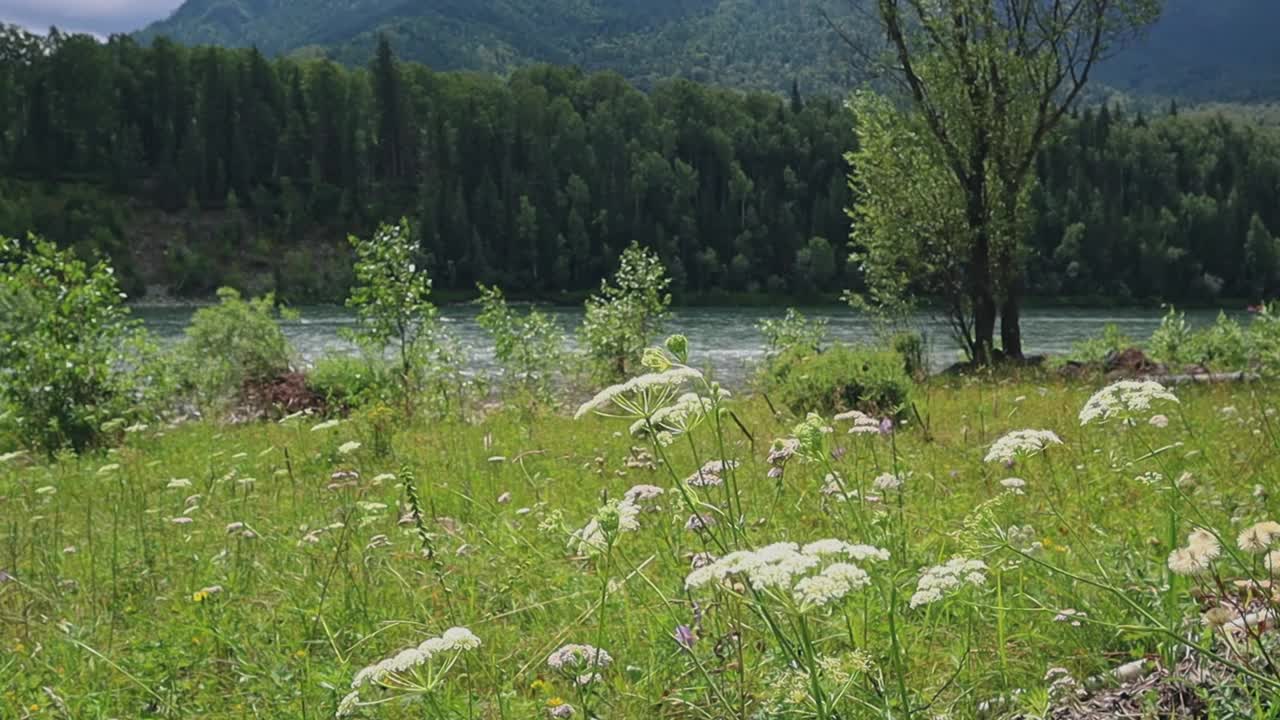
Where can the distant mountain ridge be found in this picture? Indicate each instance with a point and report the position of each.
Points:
(1200, 50)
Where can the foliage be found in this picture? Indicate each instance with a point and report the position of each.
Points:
(987, 86)
(394, 312)
(911, 347)
(233, 344)
(1174, 340)
(838, 379)
(254, 170)
(1098, 349)
(357, 526)
(72, 359)
(530, 348)
(792, 330)
(622, 318)
(908, 234)
(353, 381)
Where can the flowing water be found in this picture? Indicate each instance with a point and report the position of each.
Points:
(725, 338)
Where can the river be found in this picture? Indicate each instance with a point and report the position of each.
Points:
(726, 338)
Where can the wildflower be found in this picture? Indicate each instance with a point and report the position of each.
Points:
(640, 493)
(1198, 556)
(574, 658)
(1070, 616)
(640, 396)
(460, 638)
(348, 704)
(181, 520)
(504, 498)
(863, 424)
(1271, 561)
(684, 637)
(178, 483)
(610, 520)
(1020, 443)
(1159, 421)
(1124, 399)
(887, 482)
(559, 709)
(940, 580)
(326, 425)
(348, 447)
(1015, 485)
(811, 434)
(205, 593)
(1217, 617)
(701, 560)
(1259, 538)
(699, 522)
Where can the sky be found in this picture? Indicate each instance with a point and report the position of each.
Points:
(101, 17)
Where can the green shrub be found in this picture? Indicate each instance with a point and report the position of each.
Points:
(838, 379)
(622, 318)
(1173, 342)
(1223, 345)
(792, 330)
(1096, 350)
(232, 343)
(910, 346)
(352, 381)
(71, 358)
(530, 348)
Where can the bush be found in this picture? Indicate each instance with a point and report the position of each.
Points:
(71, 358)
(391, 299)
(793, 330)
(232, 344)
(348, 381)
(625, 314)
(1173, 342)
(1096, 350)
(529, 348)
(910, 346)
(838, 379)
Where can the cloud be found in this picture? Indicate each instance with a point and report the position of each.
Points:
(98, 16)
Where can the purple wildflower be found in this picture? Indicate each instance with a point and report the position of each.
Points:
(684, 637)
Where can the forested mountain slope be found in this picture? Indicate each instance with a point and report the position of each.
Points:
(1200, 50)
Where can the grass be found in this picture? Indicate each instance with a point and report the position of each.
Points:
(110, 611)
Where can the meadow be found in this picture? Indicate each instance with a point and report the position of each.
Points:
(208, 570)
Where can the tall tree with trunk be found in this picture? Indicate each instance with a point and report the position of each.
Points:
(989, 81)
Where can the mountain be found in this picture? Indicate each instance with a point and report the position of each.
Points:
(1220, 50)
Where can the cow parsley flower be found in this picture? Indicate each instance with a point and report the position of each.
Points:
(941, 580)
(575, 659)
(398, 674)
(1021, 443)
(863, 424)
(887, 482)
(1124, 400)
(801, 576)
(640, 396)
(612, 519)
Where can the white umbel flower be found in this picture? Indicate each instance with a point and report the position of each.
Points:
(941, 580)
(1124, 400)
(1021, 443)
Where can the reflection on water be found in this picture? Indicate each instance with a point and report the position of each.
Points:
(724, 338)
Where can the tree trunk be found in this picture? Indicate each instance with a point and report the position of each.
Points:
(980, 288)
(1011, 326)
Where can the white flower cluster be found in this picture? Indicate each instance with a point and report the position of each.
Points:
(1198, 556)
(1020, 443)
(863, 424)
(682, 416)
(1124, 399)
(941, 580)
(582, 661)
(611, 519)
(803, 575)
(710, 474)
(636, 397)
(397, 671)
(639, 494)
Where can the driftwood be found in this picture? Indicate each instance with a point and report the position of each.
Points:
(1187, 379)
